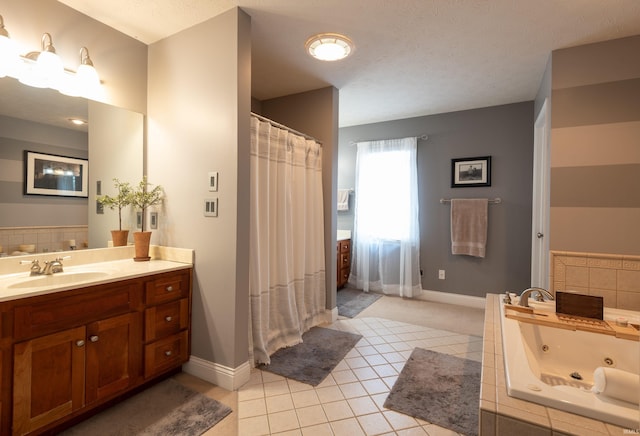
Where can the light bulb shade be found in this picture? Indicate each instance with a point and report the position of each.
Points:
(9, 59)
(47, 70)
(329, 46)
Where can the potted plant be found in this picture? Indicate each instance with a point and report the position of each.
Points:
(142, 198)
(120, 201)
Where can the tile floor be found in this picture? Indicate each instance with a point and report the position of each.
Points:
(349, 401)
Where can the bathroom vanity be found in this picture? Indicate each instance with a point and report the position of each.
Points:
(343, 256)
(71, 346)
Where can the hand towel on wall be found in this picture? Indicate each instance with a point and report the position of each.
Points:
(343, 199)
(469, 226)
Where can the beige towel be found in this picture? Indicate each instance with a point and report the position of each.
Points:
(343, 199)
(469, 226)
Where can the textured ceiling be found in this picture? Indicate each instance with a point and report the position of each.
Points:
(412, 58)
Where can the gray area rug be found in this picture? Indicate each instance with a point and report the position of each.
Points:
(353, 301)
(312, 360)
(439, 388)
(167, 408)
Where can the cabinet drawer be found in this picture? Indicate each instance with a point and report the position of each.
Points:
(166, 354)
(344, 275)
(55, 314)
(166, 319)
(345, 260)
(168, 287)
(345, 246)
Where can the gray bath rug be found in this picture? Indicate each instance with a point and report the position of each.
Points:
(167, 408)
(312, 360)
(353, 301)
(439, 388)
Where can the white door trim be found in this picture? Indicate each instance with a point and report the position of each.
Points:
(541, 198)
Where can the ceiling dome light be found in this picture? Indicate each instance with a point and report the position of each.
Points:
(329, 46)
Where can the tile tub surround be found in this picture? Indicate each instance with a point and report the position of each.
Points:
(614, 277)
(45, 238)
(501, 414)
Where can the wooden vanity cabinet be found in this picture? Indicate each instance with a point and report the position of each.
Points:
(344, 261)
(75, 350)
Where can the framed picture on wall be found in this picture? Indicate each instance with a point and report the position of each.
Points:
(49, 174)
(471, 171)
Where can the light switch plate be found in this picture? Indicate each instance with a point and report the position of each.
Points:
(211, 207)
(153, 220)
(213, 181)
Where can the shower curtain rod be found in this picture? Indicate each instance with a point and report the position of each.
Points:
(420, 137)
(282, 126)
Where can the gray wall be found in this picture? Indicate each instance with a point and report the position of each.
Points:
(198, 121)
(503, 132)
(595, 158)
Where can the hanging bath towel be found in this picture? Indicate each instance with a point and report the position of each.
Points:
(469, 226)
(343, 199)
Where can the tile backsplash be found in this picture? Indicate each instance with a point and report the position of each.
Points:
(614, 277)
(45, 239)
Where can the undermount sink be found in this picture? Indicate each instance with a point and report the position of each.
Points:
(58, 279)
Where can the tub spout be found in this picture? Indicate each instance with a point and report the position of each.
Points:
(524, 296)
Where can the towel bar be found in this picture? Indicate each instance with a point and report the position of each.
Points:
(495, 200)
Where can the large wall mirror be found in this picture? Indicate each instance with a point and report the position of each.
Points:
(38, 120)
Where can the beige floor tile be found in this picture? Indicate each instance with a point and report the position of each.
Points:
(249, 408)
(283, 421)
(305, 398)
(352, 390)
(312, 415)
(362, 405)
(318, 430)
(337, 410)
(349, 427)
(400, 421)
(258, 425)
(365, 373)
(342, 377)
(374, 424)
(279, 403)
(329, 394)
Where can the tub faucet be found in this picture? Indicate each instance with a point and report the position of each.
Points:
(524, 297)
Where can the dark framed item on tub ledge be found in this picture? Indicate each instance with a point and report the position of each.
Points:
(49, 174)
(471, 172)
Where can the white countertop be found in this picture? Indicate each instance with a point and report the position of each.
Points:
(86, 268)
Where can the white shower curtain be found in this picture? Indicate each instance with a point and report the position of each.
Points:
(386, 236)
(287, 267)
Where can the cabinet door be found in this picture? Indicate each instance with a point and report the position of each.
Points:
(113, 355)
(48, 379)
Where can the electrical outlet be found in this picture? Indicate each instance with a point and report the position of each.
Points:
(441, 274)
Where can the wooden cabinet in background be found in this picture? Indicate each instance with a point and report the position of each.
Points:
(343, 255)
(75, 350)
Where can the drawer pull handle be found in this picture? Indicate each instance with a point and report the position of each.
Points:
(168, 353)
(94, 338)
(169, 288)
(168, 319)
(80, 343)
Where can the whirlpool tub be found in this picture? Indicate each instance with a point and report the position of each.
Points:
(555, 367)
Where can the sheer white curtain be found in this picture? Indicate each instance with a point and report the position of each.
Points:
(386, 237)
(287, 273)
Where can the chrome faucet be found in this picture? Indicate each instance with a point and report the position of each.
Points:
(524, 296)
(52, 267)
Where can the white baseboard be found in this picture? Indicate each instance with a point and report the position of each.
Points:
(449, 298)
(332, 315)
(228, 378)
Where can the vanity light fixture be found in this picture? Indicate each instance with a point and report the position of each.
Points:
(8, 51)
(329, 46)
(86, 79)
(46, 69)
